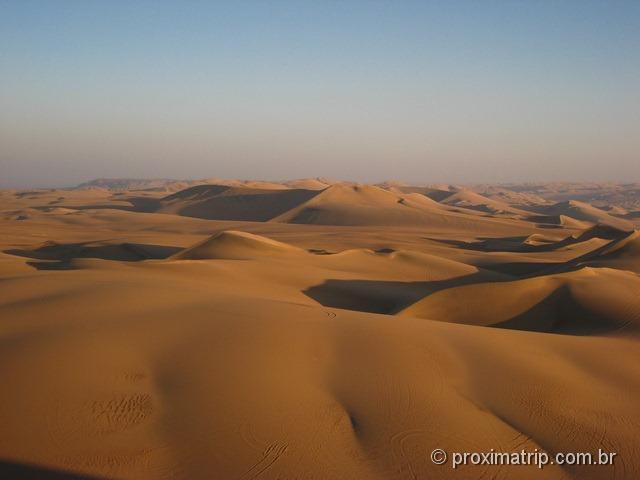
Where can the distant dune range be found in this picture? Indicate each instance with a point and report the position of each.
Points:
(366, 205)
(315, 329)
(233, 203)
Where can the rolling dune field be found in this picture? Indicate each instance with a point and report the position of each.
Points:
(315, 329)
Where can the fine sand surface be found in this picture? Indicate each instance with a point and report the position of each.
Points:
(314, 329)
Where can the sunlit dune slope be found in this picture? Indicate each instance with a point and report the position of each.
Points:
(235, 245)
(581, 302)
(171, 373)
(622, 253)
(470, 199)
(584, 211)
(369, 205)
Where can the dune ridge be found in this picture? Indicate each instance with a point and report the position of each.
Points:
(230, 244)
(583, 211)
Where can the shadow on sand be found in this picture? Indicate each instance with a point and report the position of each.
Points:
(379, 296)
(57, 256)
(557, 313)
(23, 471)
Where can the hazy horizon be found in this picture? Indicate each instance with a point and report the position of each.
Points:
(456, 92)
(332, 179)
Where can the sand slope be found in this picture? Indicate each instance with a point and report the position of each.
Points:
(622, 253)
(238, 386)
(341, 333)
(360, 205)
(230, 244)
(584, 211)
(470, 199)
(352, 205)
(219, 202)
(583, 302)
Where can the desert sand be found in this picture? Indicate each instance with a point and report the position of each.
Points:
(314, 329)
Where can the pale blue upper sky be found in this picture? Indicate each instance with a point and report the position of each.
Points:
(365, 90)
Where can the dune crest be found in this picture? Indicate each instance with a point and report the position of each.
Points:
(582, 302)
(235, 245)
(586, 212)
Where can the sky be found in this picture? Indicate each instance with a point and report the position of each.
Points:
(417, 91)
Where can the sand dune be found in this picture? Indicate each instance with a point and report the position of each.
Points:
(616, 210)
(434, 192)
(511, 197)
(622, 253)
(156, 398)
(235, 332)
(352, 205)
(219, 202)
(338, 204)
(583, 302)
(230, 244)
(600, 194)
(51, 250)
(469, 199)
(307, 184)
(590, 238)
(359, 205)
(628, 245)
(560, 220)
(584, 211)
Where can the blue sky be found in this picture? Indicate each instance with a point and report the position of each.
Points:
(418, 91)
